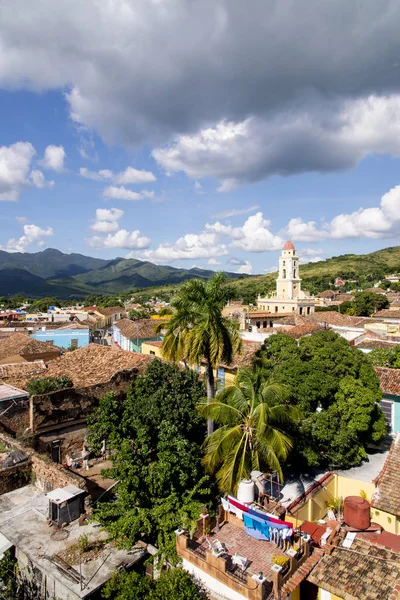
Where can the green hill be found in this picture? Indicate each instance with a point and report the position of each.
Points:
(52, 273)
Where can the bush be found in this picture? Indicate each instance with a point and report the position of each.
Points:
(45, 385)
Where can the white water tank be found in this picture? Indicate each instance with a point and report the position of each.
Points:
(246, 491)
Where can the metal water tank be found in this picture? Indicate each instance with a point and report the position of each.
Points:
(357, 512)
(246, 491)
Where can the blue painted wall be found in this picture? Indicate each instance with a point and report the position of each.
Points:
(63, 338)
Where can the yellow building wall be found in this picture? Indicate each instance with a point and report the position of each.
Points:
(332, 597)
(353, 487)
(316, 505)
(153, 350)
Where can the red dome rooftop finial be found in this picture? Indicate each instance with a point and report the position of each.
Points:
(288, 245)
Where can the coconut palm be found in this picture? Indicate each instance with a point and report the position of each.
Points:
(252, 419)
(197, 330)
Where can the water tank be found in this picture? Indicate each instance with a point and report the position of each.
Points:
(357, 512)
(246, 491)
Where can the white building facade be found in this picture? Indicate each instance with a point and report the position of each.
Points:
(289, 297)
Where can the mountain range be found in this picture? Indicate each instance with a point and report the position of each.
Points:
(53, 273)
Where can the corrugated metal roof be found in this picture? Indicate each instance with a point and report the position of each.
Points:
(9, 392)
(63, 494)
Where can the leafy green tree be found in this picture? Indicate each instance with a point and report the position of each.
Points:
(43, 304)
(155, 435)
(385, 284)
(380, 357)
(252, 416)
(174, 584)
(366, 303)
(197, 330)
(328, 380)
(44, 385)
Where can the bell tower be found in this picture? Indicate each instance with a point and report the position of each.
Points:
(288, 284)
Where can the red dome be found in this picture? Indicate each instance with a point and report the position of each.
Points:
(288, 246)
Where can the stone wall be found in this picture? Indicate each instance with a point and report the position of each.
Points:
(15, 477)
(72, 405)
(45, 474)
(15, 417)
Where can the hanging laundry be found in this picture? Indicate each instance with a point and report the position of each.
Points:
(237, 504)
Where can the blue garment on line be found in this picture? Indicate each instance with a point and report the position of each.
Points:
(265, 519)
(256, 528)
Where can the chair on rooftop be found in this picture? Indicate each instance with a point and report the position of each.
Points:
(240, 561)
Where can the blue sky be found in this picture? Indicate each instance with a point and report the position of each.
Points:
(198, 149)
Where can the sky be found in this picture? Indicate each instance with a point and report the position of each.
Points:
(200, 132)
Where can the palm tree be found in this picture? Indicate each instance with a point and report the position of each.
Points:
(252, 419)
(198, 331)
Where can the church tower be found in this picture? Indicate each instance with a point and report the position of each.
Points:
(288, 284)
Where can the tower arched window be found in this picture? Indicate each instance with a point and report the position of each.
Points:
(284, 273)
(294, 272)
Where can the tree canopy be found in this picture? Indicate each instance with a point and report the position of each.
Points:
(197, 329)
(44, 385)
(380, 357)
(155, 435)
(336, 389)
(251, 416)
(173, 584)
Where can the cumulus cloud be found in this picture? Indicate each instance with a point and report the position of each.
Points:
(15, 162)
(189, 247)
(316, 139)
(121, 239)
(33, 234)
(54, 157)
(233, 212)
(132, 176)
(377, 222)
(107, 220)
(246, 268)
(213, 262)
(281, 98)
(101, 175)
(253, 236)
(121, 193)
(39, 180)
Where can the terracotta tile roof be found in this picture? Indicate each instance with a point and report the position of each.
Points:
(302, 572)
(363, 572)
(368, 343)
(300, 330)
(110, 310)
(375, 290)
(388, 540)
(142, 328)
(245, 357)
(94, 364)
(387, 496)
(294, 319)
(18, 374)
(332, 317)
(389, 380)
(344, 297)
(388, 313)
(23, 345)
(155, 344)
(327, 294)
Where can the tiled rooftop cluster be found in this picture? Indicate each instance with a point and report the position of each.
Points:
(387, 495)
(23, 345)
(364, 571)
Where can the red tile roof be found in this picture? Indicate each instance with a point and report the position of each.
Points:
(363, 572)
(388, 313)
(387, 496)
(389, 380)
(300, 330)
